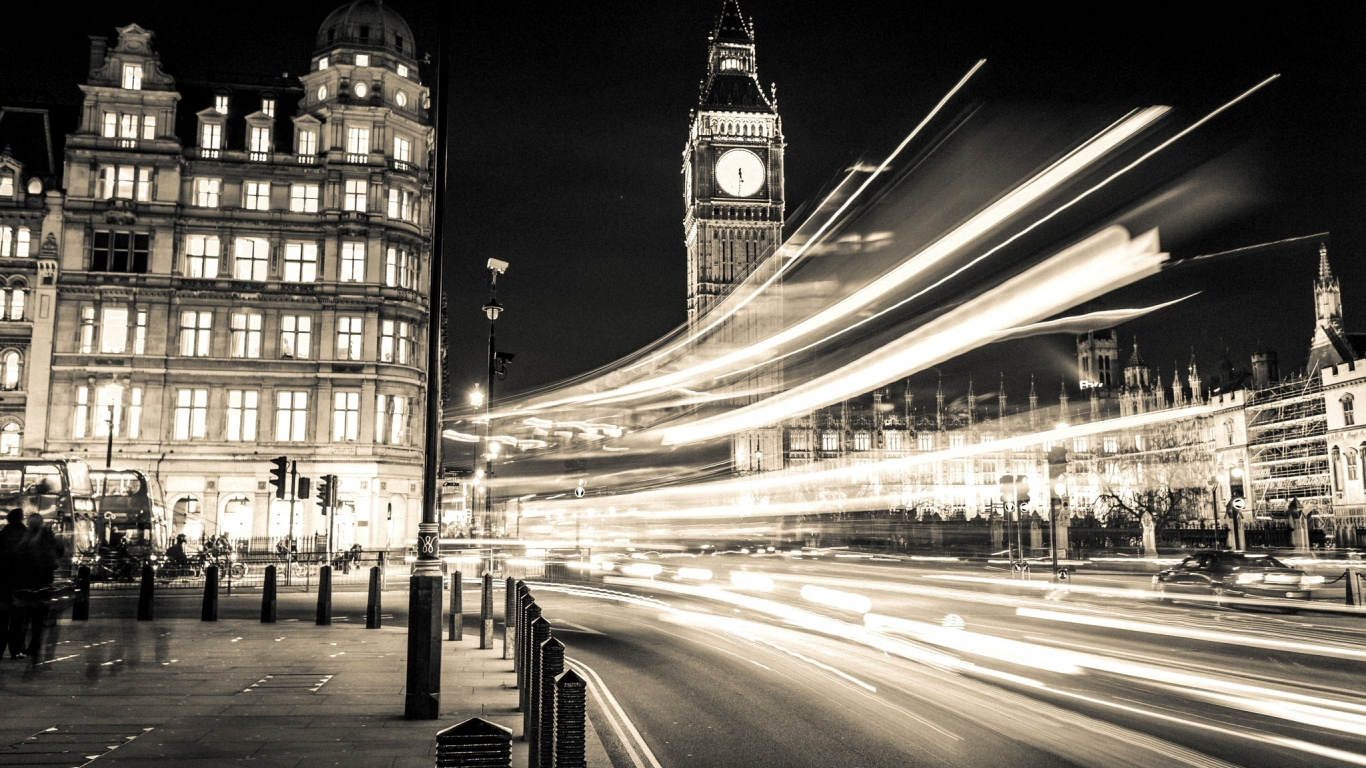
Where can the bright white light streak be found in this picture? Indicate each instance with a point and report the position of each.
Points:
(643, 570)
(834, 217)
(834, 598)
(748, 580)
(989, 646)
(695, 574)
(463, 437)
(1095, 266)
(1170, 630)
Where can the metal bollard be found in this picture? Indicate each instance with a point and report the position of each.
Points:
(324, 613)
(509, 594)
(209, 611)
(268, 591)
(146, 593)
(372, 602)
(1355, 582)
(539, 632)
(571, 708)
(457, 618)
(80, 603)
(516, 620)
(531, 614)
(486, 614)
(474, 742)
(543, 740)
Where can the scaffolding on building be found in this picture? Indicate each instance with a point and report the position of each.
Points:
(1287, 426)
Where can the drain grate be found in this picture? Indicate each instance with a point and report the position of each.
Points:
(289, 681)
(71, 746)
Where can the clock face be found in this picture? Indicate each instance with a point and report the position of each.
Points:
(740, 173)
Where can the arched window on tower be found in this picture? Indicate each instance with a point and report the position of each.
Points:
(1337, 471)
(1348, 416)
(1352, 465)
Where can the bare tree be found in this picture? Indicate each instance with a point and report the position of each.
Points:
(1158, 477)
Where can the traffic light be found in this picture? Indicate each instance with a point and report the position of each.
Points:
(279, 475)
(1014, 489)
(1057, 460)
(1021, 491)
(326, 490)
(305, 487)
(1236, 495)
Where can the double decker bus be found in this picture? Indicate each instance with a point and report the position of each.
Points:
(130, 509)
(59, 490)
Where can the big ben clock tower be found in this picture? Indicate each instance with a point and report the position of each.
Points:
(732, 168)
(733, 215)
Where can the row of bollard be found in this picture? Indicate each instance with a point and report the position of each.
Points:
(553, 699)
(80, 607)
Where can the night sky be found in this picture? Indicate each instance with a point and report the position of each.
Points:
(570, 119)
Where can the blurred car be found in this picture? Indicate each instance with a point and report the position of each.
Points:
(1235, 575)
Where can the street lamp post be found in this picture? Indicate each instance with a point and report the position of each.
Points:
(491, 310)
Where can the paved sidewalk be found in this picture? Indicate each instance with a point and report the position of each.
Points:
(181, 692)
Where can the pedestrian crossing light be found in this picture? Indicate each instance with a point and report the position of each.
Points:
(279, 475)
(327, 492)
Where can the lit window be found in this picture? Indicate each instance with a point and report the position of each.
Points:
(268, 106)
(308, 143)
(322, 63)
(220, 104)
(402, 70)
(9, 439)
(132, 77)
(78, 421)
(1079, 444)
(955, 441)
(301, 262)
(354, 199)
(362, 59)
(400, 269)
(16, 303)
(401, 99)
(403, 149)
(242, 405)
(207, 192)
(303, 198)
(246, 334)
(348, 338)
(194, 333)
(140, 337)
(893, 441)
(862, 441)
(260, 141)
(393, 203)
(291, 416)
(11, 365)
(296, 331)
(125, 182)
(191, 413)
(211, 136)
(108, 409)
(135, 413)
(128, 126)
(87, 329)
(361, 90)
(202, 252)
(830, 441)
(345, 416)
(257, 195)
(251, 257)
(111, 125)
(149, 127)
(357, 140)
(353, 263)
(6, 241)
(1348, 410)
(120, 252)
(797, 441)
(386, 341)
(925, 442)
(322, 93)
(1110, 444)
(113, 330)
(398, 423)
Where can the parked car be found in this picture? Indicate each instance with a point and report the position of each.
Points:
(1227, 575)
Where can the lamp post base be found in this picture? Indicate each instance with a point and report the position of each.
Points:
(423, 698)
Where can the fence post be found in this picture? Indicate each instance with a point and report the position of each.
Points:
(509, 594)
(146, 593)
(457, 619)
(532, 613)
(372, 603)
(268, 589)
(552, 664)
(538, 632)
(486, 613)
(80, 606)
(571, 708)
(1354, 585)
(324, 613)
(209, 611)
(475, 742)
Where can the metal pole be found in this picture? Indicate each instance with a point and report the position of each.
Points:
(488, 422)
(422, 700)
(109, 450)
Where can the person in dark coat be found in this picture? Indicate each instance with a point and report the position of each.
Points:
(36, 557)
(12, 621)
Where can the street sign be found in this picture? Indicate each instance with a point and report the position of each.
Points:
(1238, 503)
(579, 492)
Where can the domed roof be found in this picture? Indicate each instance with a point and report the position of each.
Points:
(369, 24)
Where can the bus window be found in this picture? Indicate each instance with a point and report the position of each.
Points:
(42, 479)
(11, 480)
(79, 473)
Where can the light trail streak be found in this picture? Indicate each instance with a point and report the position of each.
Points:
(1089, 269)
(834, 217)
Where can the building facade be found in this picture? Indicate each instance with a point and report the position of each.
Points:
(238, 275)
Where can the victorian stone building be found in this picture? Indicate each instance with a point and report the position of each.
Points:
(238, 274)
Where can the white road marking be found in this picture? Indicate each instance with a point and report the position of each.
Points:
(606, 698)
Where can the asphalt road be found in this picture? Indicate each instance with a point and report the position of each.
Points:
(909, 666)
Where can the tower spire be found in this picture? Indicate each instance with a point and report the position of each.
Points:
(1001, 398)
(972, 403)
(1033, 401)
(939, 405)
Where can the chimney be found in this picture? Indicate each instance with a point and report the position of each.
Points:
(1265, 370)
(99, 44)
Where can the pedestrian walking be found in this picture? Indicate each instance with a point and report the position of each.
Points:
(35, 561)
(11, 618)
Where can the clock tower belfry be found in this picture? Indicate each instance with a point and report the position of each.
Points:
(732, 168)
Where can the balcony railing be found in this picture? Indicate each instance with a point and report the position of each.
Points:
(128, 143)
(306, 159)
(403, 166)
(357, 158)
(259, 157)
(209, 154)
